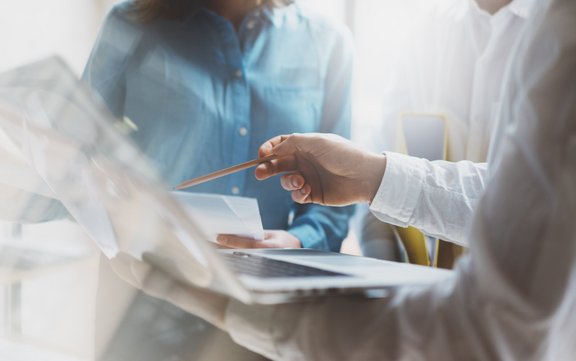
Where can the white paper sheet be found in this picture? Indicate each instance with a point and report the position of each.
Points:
(219, 214)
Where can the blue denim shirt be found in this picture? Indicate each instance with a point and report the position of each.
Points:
(205, 96)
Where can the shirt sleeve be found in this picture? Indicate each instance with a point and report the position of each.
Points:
(437, 197)
(110, 57)
(513, 296)
(318, 226)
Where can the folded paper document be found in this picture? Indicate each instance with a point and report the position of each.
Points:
(219, 214)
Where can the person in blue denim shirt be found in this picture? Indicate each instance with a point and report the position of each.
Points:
(205, 83)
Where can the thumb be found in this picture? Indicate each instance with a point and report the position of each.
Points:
(285, 148)
(268, 147)
(288, 145)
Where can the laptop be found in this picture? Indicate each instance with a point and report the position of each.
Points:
(89, 162)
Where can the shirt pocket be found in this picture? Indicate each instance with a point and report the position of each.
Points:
(293, 110)
(175, 124)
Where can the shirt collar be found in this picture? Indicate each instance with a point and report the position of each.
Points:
(277, 16)
(456, 9)
(522, 8)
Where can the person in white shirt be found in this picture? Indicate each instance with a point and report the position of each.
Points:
(512, 298)
(452, 66)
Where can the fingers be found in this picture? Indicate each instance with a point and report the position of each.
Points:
(282, 146)
(296, 184)
(232, 241)
(292, 181)
(264, 171)
(302, 195)
(272, 239)
(268, 147)
(274, 167)
(286, 148)
(293, 153)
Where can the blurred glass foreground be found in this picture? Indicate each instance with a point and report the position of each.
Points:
(67, 168)
(48, 270)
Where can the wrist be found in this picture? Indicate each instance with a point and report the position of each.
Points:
(374, 169)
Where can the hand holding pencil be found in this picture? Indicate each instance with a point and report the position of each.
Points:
(322, 168)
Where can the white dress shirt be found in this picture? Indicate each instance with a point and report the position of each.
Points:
(514, 296)
(453, 64)
(454, 67)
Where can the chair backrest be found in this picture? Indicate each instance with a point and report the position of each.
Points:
(422, 135)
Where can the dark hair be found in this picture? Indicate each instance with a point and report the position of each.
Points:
(149, 10)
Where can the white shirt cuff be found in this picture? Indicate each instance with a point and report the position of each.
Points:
(399, 190)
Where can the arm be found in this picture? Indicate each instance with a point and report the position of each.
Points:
(438, 197)
(106, 66)
(513, 298)
(403, 190)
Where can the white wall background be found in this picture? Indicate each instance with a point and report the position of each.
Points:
(33, 29)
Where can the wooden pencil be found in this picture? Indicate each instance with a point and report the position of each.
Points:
(223, 172)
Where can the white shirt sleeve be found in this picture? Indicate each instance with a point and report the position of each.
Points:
(438, 197)
(514, 296)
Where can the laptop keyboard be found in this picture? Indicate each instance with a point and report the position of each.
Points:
(254, 265)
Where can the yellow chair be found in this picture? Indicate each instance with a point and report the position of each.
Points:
(414, 242)
(425, 135)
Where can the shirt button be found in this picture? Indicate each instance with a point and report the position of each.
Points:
(251, 25)
(243, 131)
(235, 190)
(238, 74)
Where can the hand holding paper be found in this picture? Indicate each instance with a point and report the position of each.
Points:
(272, 239)
(219, 214)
